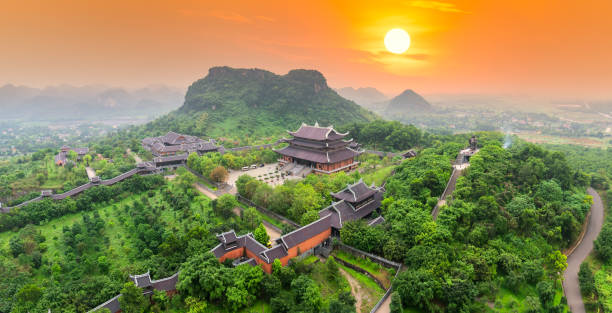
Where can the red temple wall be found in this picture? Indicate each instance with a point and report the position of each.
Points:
(334, 166)
(292, 253)
(306, 245)
(266, 267)
(234, 254)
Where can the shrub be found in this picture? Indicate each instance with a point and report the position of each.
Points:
(586, 279)
(603, 243)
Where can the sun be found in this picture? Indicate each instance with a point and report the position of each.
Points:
(397, 41)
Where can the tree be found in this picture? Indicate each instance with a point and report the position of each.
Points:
(261, 235)
(87, 159)
(603, 243)
(305, 198)
(251, 218)
(586, 279)
(546, 293)
(72, 155)
(396, 303)
(277, 266)
(418, 287)
(332, 268)
(161, 299)
(558, 263)
(103, 264)
(241, 183)
(309, 217)
(225, 205)
(270, 286)
(27, 297)
(307, 293)
(532, 305)
(282, 303)
(132, 300)
(185, 178)
(263, 194)
(195, 305)
(219, 174)
(16, 246)
(203, 277)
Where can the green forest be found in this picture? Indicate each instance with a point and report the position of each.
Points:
(498, 244)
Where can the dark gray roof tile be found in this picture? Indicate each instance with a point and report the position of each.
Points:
(317, 133)
(276, 252)
(166, 284)
(304, 233)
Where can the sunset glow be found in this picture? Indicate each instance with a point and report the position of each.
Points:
(397, 41)
(457, 46)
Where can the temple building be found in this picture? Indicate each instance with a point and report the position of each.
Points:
(62, 157)
(173, 143)
(323, 149)
(356, 201)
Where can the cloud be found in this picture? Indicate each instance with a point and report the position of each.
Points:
(437, 5)
(226, 16)
(230, 16)
(411, 56)
(265, 18)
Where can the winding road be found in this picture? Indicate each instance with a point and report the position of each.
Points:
(571, 286)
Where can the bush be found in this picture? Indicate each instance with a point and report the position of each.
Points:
(603, 243)
(396, 303)
(586, 279)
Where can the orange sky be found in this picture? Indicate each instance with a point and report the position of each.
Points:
(543, 47)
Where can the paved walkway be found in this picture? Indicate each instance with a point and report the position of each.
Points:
(571, 286)
(271, 230)
(134, 155)
(450, 187)
(205, 191)
(385, 307)
(90, 172)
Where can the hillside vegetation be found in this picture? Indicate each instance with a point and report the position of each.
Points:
(235, 103)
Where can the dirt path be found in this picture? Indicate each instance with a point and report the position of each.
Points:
(134, 155)
(355, 289)
(385, 307)
(272, 232)
(270, 229)
(205, 191)
(571, 286)
(90, 172)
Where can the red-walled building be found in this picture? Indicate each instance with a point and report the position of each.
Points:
(321, 148)
(356, 201)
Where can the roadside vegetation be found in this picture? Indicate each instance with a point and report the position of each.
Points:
(596, 271)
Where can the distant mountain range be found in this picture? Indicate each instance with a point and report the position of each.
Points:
(67, 102)
(365, 97)
(408, 102)
(240, 103)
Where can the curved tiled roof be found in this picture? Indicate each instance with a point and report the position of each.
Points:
(355, 192)
(317, 132)
(142, 280)
(166, 284)
(318, 156)
(304, 233)
(112, 304)
(276, 252)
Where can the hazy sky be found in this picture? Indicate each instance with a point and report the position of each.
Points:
(543, 47)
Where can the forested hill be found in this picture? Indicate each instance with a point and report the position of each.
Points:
(234, 103)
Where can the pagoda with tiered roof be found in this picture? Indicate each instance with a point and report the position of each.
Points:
(323, 149)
